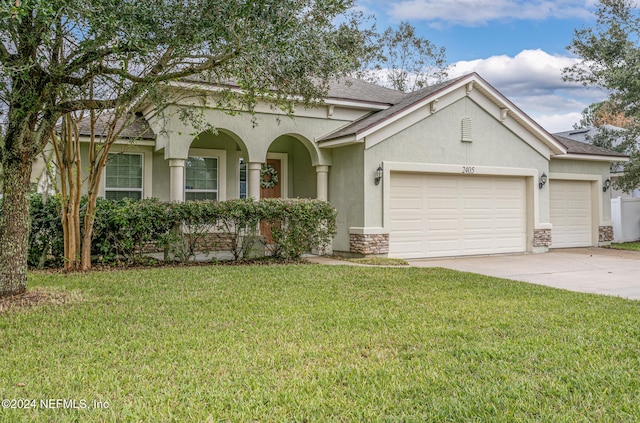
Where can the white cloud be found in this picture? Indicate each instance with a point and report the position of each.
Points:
(532, 80)
(480, 12)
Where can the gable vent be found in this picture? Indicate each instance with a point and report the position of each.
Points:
(466, 129)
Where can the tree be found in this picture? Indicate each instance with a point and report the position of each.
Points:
(66, 144)
(610, 53)
(63, 56)
(402, 60)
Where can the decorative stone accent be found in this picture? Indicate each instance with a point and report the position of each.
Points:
(542, 238)
(605, 233)
(204, 242)
(369, 244)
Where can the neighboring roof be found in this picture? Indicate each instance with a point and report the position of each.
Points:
(584, 134)
(138, 129)
(579, 147)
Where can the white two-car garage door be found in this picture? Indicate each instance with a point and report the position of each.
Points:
(570, 210)
(434, 215)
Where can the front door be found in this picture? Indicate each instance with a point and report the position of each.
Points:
(273, 189)
(270, 188)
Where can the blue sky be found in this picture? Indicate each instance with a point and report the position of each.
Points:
(517, 46)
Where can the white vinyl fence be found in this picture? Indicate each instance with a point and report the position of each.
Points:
(625, 215)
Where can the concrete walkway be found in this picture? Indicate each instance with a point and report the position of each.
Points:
(593, 270)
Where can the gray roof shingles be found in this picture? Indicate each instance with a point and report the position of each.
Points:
(577, 147)
(138, 129)
(404, 101)
(354, 90)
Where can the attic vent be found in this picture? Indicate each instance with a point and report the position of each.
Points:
(466, 129)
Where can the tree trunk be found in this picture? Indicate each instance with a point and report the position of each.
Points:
(89, 218)
(14, 226)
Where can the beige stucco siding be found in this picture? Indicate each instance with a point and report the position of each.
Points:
(437, 140)
(301, 173)
(346, 191)
(254, 138)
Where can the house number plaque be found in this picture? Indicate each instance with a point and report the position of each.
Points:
(468, 170)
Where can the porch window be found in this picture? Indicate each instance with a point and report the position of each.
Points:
(123, 176)
(242, 177)
(201, 178)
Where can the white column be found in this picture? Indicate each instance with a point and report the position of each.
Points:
(176, 177)
(253, 169)
(322, 181)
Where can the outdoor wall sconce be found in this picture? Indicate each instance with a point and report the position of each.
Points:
(606, 185)
(543, 180)
(378, 177)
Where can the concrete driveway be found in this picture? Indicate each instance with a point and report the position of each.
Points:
(593, 270)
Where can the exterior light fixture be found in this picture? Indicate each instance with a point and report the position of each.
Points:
(543, 180)
(606, 185)
(378, 177)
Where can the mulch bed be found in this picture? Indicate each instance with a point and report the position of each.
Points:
(36, 297)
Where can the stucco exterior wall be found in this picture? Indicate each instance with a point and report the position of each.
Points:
(253, 137)
(437, 140)
(301, 173)
(346, 191)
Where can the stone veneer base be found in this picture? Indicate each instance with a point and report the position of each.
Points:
(542, 238)
(369, 244)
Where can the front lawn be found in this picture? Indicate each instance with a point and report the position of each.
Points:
(632, 246)
(317, 343)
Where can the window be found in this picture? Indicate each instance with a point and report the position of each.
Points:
(201, 178)
(123, 177)
(243, 179)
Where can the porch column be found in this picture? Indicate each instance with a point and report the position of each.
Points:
(254, 179)
(322, 181)
(176, 178)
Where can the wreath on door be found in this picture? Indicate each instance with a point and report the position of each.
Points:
(272, 176)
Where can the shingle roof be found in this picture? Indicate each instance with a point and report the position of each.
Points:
(577, 147)
(404, 101)
(138, 129)
(355, 89)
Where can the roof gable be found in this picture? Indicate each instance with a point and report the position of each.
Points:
(438, 96)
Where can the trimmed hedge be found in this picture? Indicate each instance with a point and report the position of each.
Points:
(124, 230)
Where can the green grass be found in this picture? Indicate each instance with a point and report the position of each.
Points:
(379, 261)
(320, 343)
(632, 246)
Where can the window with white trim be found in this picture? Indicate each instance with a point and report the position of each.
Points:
(201, 178)
(123, 176)
(242, 177)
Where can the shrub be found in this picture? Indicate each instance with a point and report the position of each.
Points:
(240, 219)
(298, 226)
(46, 237)
(125, 229)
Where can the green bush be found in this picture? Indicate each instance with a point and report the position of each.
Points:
(298, 226)
(46, 237)
(126, 229)
(123, 228)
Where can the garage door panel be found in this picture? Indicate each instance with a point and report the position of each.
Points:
(570, 213)
(460, 215)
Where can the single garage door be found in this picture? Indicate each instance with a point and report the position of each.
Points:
(452, 215)
(571, 216)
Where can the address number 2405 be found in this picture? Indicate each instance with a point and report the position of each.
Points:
(469, 170)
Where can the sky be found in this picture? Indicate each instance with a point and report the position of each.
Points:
(518, 46)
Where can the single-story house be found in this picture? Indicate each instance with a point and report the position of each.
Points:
(451, 170)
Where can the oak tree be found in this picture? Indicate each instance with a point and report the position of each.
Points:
(64, 56)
